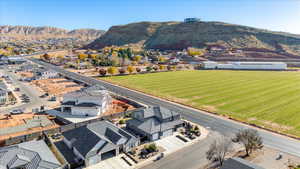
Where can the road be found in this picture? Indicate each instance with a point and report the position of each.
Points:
(35, 101)
(213, 122)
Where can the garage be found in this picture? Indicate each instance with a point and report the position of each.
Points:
(166, 133)
(108, 154)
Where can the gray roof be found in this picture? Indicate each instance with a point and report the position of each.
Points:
(238, 163)
(32, 154)
(103, 134)
(94, 91)
(3, 86)
(153, 120)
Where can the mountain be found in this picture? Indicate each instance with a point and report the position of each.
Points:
(180, 35)
(15, 33)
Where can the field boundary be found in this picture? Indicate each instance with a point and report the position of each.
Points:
(226, 117)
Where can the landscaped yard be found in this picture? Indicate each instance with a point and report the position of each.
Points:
(266, 98)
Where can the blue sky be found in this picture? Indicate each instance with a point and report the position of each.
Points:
(278, 15)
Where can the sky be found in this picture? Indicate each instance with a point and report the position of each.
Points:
(276, 15)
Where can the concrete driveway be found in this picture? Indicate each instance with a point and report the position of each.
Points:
(112, 163)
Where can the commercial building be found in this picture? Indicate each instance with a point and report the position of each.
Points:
(245, 65)
(154, 123)
(96, 142)
(28, 155)
(90, 101)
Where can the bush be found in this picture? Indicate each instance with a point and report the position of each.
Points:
(152, 147)
(122, 121)
(122, 71)
(149, 69)
(138, 69)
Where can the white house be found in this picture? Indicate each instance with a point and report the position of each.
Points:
(45, 74)
(91, 101)
(245, 65)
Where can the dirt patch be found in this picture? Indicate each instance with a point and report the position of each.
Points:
(276, 126)
(209, 108)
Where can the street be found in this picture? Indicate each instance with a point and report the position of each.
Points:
(30, 91)
(213, 122)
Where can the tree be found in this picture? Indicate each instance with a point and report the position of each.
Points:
(219, 149)
(149, 68)
(155, 68)
(82, 56)
(161, 59)
(102, 72)
(137, 58)
(112, 70)
(169, 67)
(130, 69)
(162, 67)
(138, 69)
(122, 71)
(250, 139)
(46, 56)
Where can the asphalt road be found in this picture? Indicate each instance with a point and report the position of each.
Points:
(213, 122)
(35, 101)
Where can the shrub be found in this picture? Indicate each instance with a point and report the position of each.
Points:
(102, 72)
(122, 71)
(152, 147)
(122, 121)
(138, 69)
(149, 69)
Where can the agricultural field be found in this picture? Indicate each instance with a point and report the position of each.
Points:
(267, 98)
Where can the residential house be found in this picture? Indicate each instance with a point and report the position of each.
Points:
(238, 163)
(4, 93)
(90, 101)
(45, 74)
(154, 123)
(28, 155)
(97, 141)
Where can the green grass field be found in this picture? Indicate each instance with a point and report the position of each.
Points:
(267, 98)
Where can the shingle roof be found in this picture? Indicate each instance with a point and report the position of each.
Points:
(103, 134)
(32, 154)
(152, 121)
(238, 163)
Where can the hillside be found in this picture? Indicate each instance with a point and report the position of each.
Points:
(179, 35)
(16, 33)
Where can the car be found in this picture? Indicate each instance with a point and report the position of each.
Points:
(16, 111)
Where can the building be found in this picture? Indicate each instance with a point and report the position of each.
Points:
(4, 93)
(245, 65)
(91, 101)
(96, 142)
(238, 163)
(154, 123)
(45, 74)
(15, 60)
(191, 20)
(28, 155)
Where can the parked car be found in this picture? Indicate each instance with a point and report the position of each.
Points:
(16, 111)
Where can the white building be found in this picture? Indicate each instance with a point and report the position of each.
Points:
(45, 74)
(91, 101)
(245, 65)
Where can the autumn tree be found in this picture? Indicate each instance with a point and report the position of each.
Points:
(122, 71)
(250, 139)
(102, 72)
(130, 69)
(137, 58)
(161, 59)
(82, 56)
(138, 69)
(219, 149)
(112, 70)
(162, 67)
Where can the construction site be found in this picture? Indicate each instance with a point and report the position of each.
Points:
(24, 124)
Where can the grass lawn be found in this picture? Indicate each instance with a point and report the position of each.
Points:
(267, 98)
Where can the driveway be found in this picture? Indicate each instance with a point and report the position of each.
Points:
(112, 163)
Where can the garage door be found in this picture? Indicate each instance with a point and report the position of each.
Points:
(167, 133)
(155, 136)
(108, 155)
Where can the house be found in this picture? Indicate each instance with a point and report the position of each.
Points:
(97, 141)
(90, 101)
(15, 60)
(154, 123)
(4, 93)
(45, 74)
(28, 155)
(238, 163)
